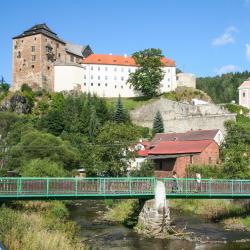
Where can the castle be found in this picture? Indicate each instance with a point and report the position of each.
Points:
(36, 51)
(42, 60)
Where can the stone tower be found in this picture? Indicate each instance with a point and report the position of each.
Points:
(34, 53)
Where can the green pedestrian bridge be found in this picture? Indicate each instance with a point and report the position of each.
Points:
(22, 188)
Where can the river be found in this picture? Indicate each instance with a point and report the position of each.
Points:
(100, 235)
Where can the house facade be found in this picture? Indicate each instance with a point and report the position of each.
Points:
(244, 94)
(176, 151)
(176, 156)
(107, 75)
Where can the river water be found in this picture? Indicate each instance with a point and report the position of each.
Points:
(100, 235)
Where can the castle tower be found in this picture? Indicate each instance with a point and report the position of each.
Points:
(34, 53)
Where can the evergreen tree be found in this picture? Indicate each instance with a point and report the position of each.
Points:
(120, 115)
(158, 126)
(93, 123)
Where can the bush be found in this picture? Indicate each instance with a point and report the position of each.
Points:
(206, 171)
(146, 169)
(42, 168)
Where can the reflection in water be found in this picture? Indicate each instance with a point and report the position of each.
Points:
(102, 236)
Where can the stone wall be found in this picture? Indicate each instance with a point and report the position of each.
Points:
(182, 117)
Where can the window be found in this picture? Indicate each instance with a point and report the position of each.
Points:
(169, 79)
(15, 46)
(122, 78)
(99, 84)
(168, 86)
(115, 86)
(106, 78)
(35, 38)
(33, 58)
(71, 58)
(20, 69)
(92, 84)
(168, 70)
(129, 70)
(32, 66)
(121, 69)
(244, 94)
(106, 68)
(91, 68)
(106, 84)
(48, 68)
(57, 45)
(84, 77)
(121, 87)
(98, 68)
(19, 54)
(59, 55)
(115, 78)
(33, 48)
(99, 77)
(85, 84)
(115, 69)
(91, 77)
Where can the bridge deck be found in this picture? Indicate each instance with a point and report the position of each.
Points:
(101, 188)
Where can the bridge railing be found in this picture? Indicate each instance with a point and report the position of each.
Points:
(208, 187)
(76, 186)
(120, 187)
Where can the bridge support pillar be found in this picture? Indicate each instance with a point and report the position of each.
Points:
(154, 220)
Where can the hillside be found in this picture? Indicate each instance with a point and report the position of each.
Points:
(224, 88)
(181, 94)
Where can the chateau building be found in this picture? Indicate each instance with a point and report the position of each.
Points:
(36, 51)
(107, 75)
(244, 94)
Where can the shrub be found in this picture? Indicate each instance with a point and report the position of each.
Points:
(42, 168)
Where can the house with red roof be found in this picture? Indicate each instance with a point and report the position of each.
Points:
(244, 94)
(176, 151)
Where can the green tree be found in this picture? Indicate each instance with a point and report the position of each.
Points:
(224, 88)
(93, 123)
(146, 79)
(158, 126)
(42, 168)
(146, 169)
(235, 150)
(39, 145)
(113, 148)
(119, 115)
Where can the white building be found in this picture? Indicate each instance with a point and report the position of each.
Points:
(107, 75)
(68, 77)
(244, 94)
(186, 79)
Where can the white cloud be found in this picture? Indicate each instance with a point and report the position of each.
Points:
(226, 69)
(226, 38)
(248, 51)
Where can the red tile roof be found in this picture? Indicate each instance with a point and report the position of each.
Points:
(192, 135)
(119, 60)
(245, 84)
(142, 153)
(179, 147)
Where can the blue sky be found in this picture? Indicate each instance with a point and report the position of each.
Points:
(205, 37)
